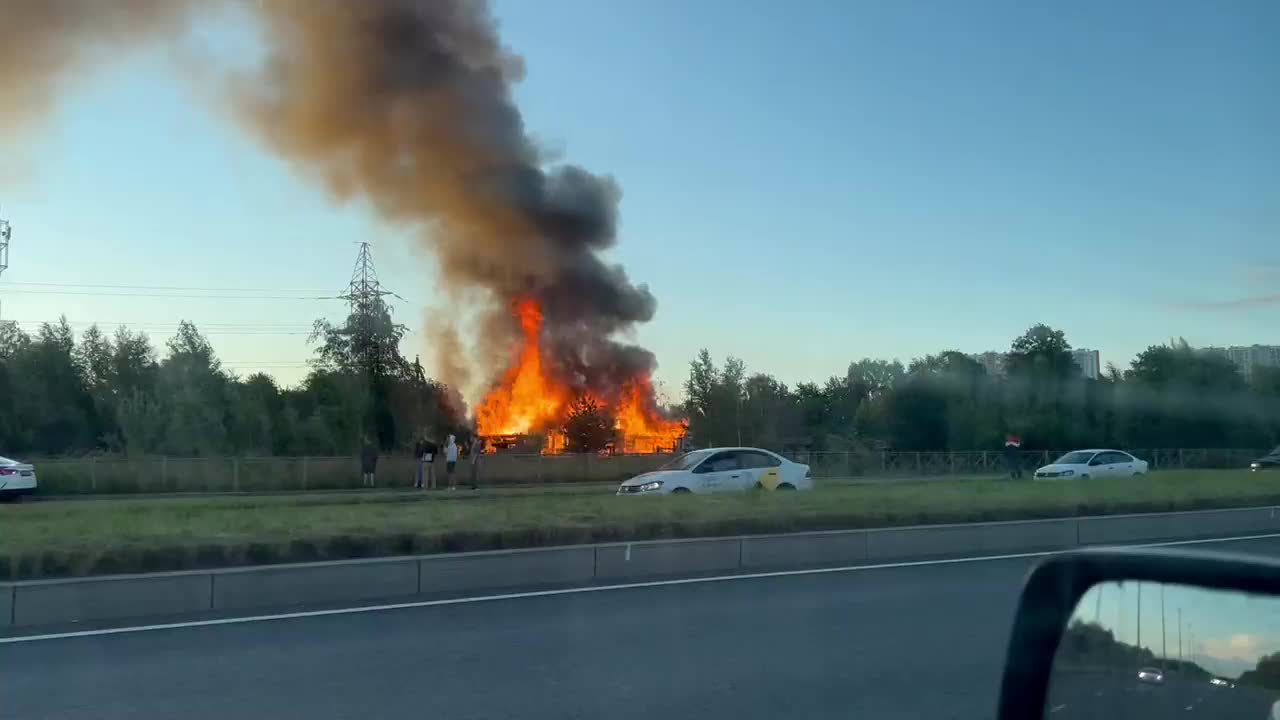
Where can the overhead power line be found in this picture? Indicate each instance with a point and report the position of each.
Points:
(174, 324)
(165, 287)
(172, 296)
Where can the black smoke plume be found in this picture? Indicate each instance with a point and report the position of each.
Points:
(407, 104)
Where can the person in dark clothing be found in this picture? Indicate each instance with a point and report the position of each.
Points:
(424, 451)
(368, 462)
(1013, 457)
(474, 452)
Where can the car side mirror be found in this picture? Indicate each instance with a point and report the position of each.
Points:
(1139, 633)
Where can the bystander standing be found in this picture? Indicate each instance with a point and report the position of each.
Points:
(424, 452)
(368, 461)
(451, 461)
(474, 451)
(1013, 456)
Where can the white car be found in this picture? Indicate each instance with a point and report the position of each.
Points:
(1151, 675)
(1093, 464)
(717, 470)
(16, 478)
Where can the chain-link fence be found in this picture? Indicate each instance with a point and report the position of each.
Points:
(111, 474)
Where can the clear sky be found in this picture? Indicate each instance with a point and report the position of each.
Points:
(1225, 632)
(805, 183)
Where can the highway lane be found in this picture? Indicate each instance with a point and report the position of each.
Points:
(1122, 695)
(907, 642)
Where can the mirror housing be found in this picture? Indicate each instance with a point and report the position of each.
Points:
(1055, 586)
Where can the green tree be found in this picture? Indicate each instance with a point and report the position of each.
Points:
(52, 407)
(714, 400)
(589, 426)
(195, 396)
(1181, 397)
(770, 413)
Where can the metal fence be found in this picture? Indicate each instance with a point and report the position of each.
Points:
(992, 462)
(111, 474)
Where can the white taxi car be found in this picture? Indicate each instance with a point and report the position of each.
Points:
(16, 479)
(1093, 464)
(717, 470)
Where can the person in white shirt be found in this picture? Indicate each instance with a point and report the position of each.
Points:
(451, 461)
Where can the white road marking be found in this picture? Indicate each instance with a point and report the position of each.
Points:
(577, 590)
(1056, 708)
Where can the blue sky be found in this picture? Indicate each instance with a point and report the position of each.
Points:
(1224, 631)
(805, 183)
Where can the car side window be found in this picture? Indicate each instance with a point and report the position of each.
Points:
(758, 460)
(719, 462)
(1099, 459)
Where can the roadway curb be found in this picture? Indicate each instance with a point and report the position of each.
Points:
(118, 597)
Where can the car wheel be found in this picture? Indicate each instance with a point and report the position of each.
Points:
(786, 486)
(681, 491)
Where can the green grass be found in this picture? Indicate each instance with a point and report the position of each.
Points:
(112, 536)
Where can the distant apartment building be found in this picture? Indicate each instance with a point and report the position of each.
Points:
(1089, 362)
(991, 361)
(1248, 358)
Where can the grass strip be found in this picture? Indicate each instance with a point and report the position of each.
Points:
(63, 539)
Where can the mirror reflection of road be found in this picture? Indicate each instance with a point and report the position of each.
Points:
(1116, 694)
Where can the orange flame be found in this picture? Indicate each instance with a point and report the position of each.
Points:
(527, 400)
(643, 429)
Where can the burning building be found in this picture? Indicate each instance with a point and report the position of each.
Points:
(532, 398)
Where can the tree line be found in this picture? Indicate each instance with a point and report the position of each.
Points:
(1170, 396)
(62, 394)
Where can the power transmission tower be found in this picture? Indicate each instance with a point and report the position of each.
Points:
(6, 234)
(364, 296)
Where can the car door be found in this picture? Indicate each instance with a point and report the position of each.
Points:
(1103, 465)
(721, 472)
(1123, 465)
(760, 468)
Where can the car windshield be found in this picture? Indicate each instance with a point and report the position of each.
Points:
(1079, 457)
(686, 461)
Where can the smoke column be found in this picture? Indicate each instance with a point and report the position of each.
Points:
(409, 105)
(42, 41)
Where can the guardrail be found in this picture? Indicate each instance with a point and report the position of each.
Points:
(113, 598)
(110, 474)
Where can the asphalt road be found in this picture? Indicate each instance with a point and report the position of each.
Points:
(1121, 695)
(908, 642)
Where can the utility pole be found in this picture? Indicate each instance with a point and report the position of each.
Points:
(1139, 643)
(6, 234)
(1097, 610)
(1180, 638)
(1164, 638)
